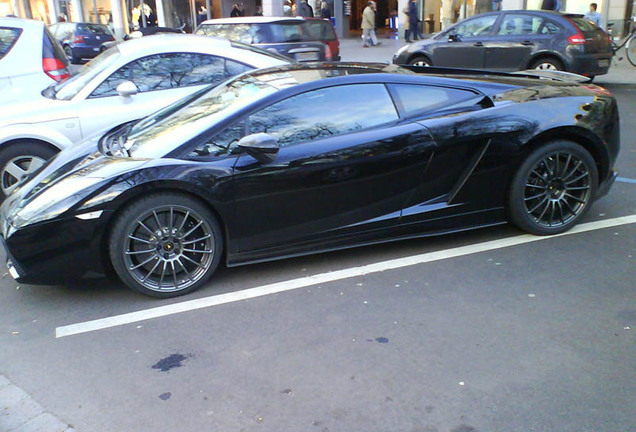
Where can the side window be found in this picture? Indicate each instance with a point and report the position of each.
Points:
(414, 99)
(8, 37)
(166, 71)
(220, 143)
(550, 28)
(325, 113)
(517, 25)
(476, 27)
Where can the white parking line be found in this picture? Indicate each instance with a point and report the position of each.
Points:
(293, 284)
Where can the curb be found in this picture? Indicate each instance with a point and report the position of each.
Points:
(20, 413)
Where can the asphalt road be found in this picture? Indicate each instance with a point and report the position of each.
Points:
(538, 336)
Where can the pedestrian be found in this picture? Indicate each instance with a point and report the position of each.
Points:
(496, 5)
(202, 15)
(325, 12)
(414, 21)
(304, 10)
(259, 11)
(594, 16)
(236, 12)
(287, 8)
(368, 25)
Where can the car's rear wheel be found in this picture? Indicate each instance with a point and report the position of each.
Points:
(68, 51)
(421, 61)
(553, 188)
(165, 245)
(547, 63)
(20, 160)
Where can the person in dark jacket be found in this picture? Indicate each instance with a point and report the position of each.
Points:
(236, 12)
(304, 10)
(414, 21)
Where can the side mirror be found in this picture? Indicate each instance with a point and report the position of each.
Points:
(127, 89)
(260, 146)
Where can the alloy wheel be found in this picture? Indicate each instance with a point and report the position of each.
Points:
(169, 248)
(17, 170)
(558, 188)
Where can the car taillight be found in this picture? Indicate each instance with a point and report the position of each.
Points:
(327, 52)
(577, 38)
(78, 39)
(55, 69)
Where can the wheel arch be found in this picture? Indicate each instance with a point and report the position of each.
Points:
(419, 54)
(547, 55)
(587, 139)
(16, 141)
(128, 196)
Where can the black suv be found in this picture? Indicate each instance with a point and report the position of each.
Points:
(516, 40)
(290, 37)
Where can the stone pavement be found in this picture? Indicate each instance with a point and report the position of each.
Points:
(621, 72)
(20, 413)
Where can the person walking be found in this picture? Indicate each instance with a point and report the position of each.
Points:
(236, 12)
(414, 21)
(325, 12)
(368, 25)
(305, 10)
(594, 16)
(407, 31)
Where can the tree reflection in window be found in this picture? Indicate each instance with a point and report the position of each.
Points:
(324, 113)
(172, 70)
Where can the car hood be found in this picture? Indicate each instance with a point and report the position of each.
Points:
(67, 181)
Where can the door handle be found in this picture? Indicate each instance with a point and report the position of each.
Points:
(527, 43)
(478, 44)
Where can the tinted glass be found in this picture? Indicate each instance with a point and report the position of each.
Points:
(93, 28)
(518, 24)
(8, 38)
(550, 28)
(584, 24)
(325, 113)
(66, 90)
(321, 30)
(222, 142)
(166, 71)
(475, 27)
(414, 99)
(256, 33)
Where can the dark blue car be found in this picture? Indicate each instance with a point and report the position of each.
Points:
(81, 40)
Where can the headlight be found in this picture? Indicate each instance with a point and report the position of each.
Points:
(55, 200)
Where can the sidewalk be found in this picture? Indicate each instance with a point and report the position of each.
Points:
(621, 72)
(20, 413)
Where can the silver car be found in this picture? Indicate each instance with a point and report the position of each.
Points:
(125, 83)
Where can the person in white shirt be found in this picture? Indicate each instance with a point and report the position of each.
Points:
(594, 16)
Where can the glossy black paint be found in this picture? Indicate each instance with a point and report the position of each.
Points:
(494, 51)
(433, 172)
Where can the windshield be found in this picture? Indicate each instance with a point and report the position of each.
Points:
(67, 90)
(156, 135)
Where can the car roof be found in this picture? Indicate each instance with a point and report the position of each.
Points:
(21, 23)
(253, 20)
(169, 41)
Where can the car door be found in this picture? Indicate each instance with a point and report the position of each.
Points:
(516, 39)
(160, 79)
(464, 46)
(344, 167)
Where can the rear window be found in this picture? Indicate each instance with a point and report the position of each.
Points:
(257, 33)
(321, 30)
(583, 24)
(52, 49)
(8, 38)
(94, 28)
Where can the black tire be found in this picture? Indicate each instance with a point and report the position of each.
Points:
(68, 51)
(18, 161)
(165, 245)
(553, 188)
(630, 50)
(547, 63)
(421, 61)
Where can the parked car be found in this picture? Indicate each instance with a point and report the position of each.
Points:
(289, 36)
(30, 59)
(81, 40)
(126, 82)
(322, 30)
(301, 159)
(516, 40)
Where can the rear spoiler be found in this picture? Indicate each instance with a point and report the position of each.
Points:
(531, 73)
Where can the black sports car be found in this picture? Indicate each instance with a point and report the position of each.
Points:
(307, 158)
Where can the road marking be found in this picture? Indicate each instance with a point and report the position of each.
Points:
(143, 315)
(625, 180)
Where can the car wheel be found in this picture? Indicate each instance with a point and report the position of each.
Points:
(18, 161)
(420, 61)
(68, 51)
(165, 245)
(553, 188)
(547, 64)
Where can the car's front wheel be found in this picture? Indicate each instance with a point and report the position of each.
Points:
(421, 61)
(553, 188)
(18, 161)
(549, 64)
(165, 245)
